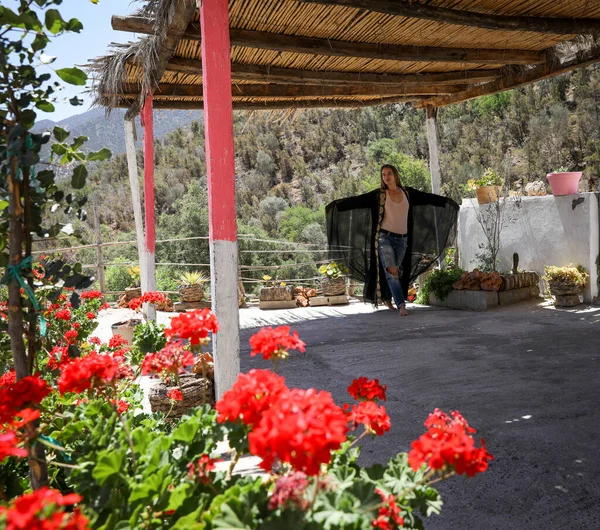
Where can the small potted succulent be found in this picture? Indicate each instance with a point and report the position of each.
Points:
(333, 282)
(566, 283)
(488, 188)
(191, 286)
(564, 182)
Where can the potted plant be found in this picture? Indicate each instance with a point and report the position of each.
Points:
(134, 291)
(275, 293)
(488, 188)
(566, 283)
(191, 287)
(564, 182)
(333, 282)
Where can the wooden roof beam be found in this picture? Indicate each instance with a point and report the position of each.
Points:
(393, 52)
(294, 91)
(286, 104)
(557, 26)
(179, 21)
(272, 74)
(553, 67)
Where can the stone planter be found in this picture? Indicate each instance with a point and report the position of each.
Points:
(276, 294)
(487, 194)
(126, 328)
(565, 294)
(333, 286)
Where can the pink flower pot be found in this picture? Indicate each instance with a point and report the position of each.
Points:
(564, 183)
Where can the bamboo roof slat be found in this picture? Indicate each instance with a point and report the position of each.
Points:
(317, 51)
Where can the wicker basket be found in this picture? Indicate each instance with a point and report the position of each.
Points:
(191, 293)
(333, 286)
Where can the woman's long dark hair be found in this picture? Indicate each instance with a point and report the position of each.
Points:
(396, 175)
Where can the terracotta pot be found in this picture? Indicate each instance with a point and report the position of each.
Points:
(487, 194)
(566, 183)
(125, 329)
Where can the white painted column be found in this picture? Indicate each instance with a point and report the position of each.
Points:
(220, 166)
(135, 195)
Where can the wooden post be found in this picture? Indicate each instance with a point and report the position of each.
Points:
(218, 126)
(434, 159)
(100, 260)
(434, 167)
(149, 271)
(135, 195)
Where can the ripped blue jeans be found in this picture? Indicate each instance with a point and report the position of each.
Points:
(392, 248)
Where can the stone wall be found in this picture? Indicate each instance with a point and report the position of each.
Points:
(544, 231)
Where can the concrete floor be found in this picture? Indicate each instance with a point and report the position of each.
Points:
(525, 376)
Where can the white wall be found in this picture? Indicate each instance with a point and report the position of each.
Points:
(543, 231)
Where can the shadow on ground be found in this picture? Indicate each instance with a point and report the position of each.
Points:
(525, 376)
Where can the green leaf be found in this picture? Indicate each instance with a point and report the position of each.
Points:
(80, 174)
(75, 101)
(54, 21)
(60, 134)
(109, 464)
(3, 205)
(103, 154)
(189, 521)
(74, 25)
(78, 142)
(186, 430)
(73, 76)
(178, 496)
(45, 106)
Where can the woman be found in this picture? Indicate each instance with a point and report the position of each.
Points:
(394, 233)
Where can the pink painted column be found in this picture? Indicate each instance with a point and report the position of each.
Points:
(148, 267)
(220, 165)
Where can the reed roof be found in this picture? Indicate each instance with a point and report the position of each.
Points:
(349, 53)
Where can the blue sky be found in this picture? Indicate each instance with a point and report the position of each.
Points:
(77, 48)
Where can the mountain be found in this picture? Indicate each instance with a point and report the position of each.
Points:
(108, 131)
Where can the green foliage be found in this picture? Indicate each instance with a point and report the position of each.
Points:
(193, 278)
(296, 219)
(166, 279)
(440, 283)
(116, 276)
(332, 270)
(148, 337)
(570, 275)
(489, 178)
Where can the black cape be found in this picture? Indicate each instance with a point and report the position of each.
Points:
(353, 228)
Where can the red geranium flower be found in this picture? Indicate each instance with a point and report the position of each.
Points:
(135, 304)
(172, 359)
(289, 491)
(95, 340)
(251, 395)
(448, 442)
(122, 406)
(117, 341)
(175, 395)
(63, 314)
(302, 428)
(275, 342)
(41, 510)
(370, 389)
(9, 446)
(389, 517)
(372, 416)
(194, 326)
(90, 316)
(16, 396)
(200, 471)
(91, 295)
(8, 378)
(26, 417)
(104, 306)
(76, 325)
(91, 371)
(70, 336)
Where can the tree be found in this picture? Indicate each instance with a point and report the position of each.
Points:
(26, 192)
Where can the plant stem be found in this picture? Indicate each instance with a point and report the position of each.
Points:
(235, 457)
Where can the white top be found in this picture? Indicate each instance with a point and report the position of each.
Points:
(395, 218)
